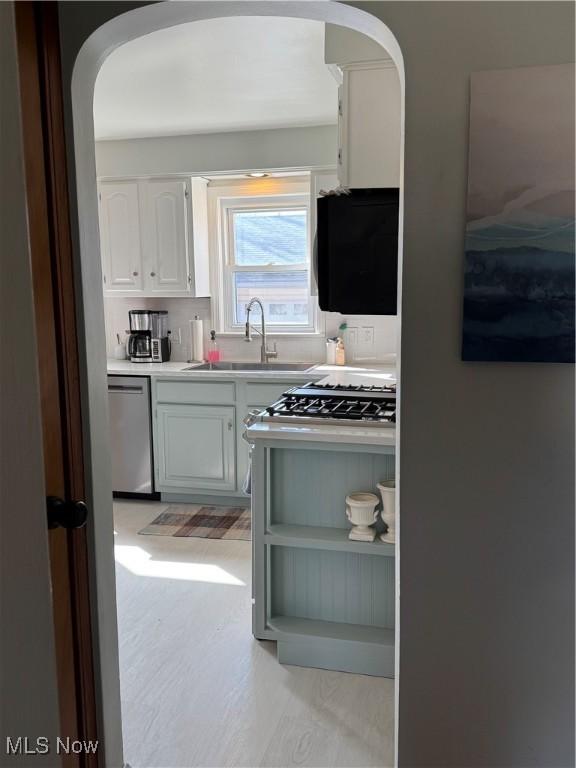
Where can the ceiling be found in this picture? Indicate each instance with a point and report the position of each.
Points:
(227, 74)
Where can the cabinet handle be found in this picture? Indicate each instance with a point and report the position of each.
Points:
(135, 274)
(230, 425)
(152, 274)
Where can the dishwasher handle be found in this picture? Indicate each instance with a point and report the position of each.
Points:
(129, 388)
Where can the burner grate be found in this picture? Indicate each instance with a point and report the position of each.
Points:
(337, 407)
(334, 403)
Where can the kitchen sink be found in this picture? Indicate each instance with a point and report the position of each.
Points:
(226, 366)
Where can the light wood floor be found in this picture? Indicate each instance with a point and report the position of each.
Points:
(199, 690)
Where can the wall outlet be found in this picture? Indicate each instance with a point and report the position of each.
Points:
(367, 336)
(364, 350)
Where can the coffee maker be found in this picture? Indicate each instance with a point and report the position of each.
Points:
(149, 340)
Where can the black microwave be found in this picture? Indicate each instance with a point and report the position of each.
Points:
(356, 252)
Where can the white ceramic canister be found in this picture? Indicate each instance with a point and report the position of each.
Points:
(330, 351)
(387, 490)
(361, 512)
(119, 349)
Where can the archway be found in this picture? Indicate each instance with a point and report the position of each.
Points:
(95, 50)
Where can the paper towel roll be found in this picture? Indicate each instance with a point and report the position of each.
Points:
(196, 340)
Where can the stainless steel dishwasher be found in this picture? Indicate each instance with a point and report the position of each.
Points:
(131, 435)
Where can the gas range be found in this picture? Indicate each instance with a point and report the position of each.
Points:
(341, 404)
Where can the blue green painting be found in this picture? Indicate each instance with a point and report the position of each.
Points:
(520, 255)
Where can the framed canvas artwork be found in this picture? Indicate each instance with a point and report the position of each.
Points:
(519, 274)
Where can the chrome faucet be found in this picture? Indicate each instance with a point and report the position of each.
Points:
(265, 353)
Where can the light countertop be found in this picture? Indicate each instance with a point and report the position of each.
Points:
(126, 368)
(323, 433)
(333, 374)
(187, 370)
(356, 374)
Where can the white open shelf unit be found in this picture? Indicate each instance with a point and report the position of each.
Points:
(326, 600)
(320, 537)
(332, 630)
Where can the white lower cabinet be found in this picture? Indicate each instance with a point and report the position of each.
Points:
(195, 448)
(199, 450)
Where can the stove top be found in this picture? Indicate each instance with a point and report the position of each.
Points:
(373, 405)
(344, 390)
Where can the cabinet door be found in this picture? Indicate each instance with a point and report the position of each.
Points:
(370, 122)
(198, 247)
(196, 447)
(120, 236)
(165, 230)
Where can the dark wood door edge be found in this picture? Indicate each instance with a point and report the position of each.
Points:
(54, 289)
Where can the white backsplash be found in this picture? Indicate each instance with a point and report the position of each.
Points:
(181, 311)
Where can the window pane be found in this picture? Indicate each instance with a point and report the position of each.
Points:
(284, 295)
(270, 237)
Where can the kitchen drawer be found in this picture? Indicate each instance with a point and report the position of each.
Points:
(265, 393)
(212, 392)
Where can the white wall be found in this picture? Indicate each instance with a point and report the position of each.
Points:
(289, 348)
(204, 153)
(486, 449)
(346, 46)
(29, 705)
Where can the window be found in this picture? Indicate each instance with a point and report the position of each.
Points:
(268, 258)
(265, 253)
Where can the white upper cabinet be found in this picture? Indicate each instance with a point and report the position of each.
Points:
(165, 243)
(369, 125)
(369, 109)
(120, 237)
(154, 237)
(198, 236)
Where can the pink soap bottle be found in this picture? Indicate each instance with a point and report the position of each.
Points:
(213, 351)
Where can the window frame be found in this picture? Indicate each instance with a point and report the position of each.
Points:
(289, 193)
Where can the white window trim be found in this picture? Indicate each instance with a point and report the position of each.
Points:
(224, 197)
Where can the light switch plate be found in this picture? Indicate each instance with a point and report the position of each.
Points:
(351, 337)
